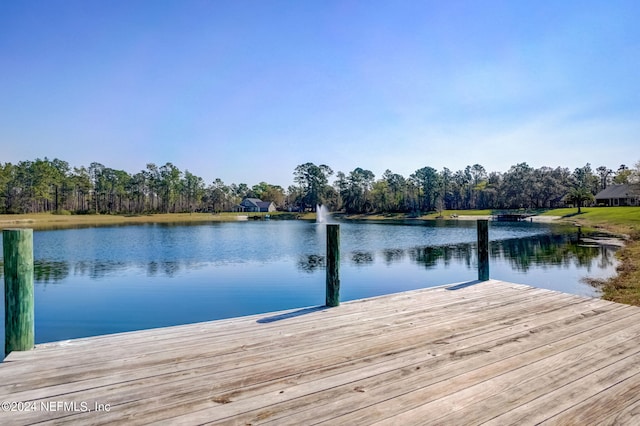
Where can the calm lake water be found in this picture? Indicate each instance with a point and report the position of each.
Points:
(93, 281)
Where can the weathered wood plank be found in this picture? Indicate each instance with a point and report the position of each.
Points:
(18, 290)
(560, 399)
(174, 410)
(333, 265)
(486, 352)
(387, 390)
(483, 249)
(487, 393)
(618, 405)
(630, 414)
(366, 370)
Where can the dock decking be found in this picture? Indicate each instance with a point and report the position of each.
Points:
(487, 353)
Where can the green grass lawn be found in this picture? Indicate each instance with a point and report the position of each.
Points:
(617, 216)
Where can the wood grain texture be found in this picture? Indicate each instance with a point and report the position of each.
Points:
(483, 249)
(489, 352)
(18, 290)
(333, 265)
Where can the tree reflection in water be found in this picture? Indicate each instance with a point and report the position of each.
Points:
(310, 263)
(520, 253)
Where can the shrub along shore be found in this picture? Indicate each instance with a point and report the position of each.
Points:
(621, 221)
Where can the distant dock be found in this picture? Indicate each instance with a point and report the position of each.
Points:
(487, 352)
(511, 217)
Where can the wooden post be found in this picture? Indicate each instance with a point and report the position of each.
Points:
(333, 265)
(483, 250)
(18, 290)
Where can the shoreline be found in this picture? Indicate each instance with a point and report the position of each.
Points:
(624, 286)
(44, 221)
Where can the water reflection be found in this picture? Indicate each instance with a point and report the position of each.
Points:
(165, 268)
(50, 271)
(393, 256)
(430, 257)
(520, 253)
(551, 250)
(362, 257)
(310, 263)
(98, 268)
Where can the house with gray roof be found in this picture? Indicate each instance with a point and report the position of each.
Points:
(255, 205)
(619, 195)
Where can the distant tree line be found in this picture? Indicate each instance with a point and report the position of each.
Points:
(54, 186)
(45, 185)
(428, 189)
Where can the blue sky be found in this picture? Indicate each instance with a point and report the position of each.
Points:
(247, 90)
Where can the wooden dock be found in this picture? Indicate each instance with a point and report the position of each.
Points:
(511, 217)
(481, 353)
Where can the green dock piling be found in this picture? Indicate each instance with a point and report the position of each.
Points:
(18, 289)
(333, 265)
(483, 250)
